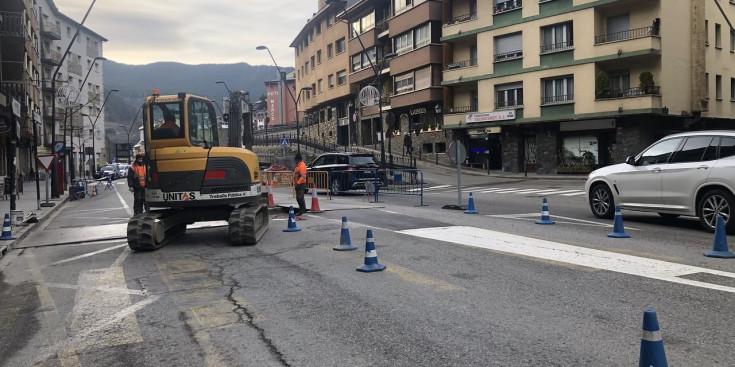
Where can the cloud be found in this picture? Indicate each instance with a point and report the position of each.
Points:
(194, 31)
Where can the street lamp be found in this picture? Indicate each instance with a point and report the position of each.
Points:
(280, 78)
(88, 72)
(225, 84)
(54, 178)
(94, 152)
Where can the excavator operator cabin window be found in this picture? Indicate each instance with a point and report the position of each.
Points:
(202, 124)
(166, 121)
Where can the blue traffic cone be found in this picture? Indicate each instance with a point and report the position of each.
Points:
(291, 222)
(7, 229)
(545, 219)
(371, 257)
(471, 206)
(345, 244)
(618, 229)
(652, 345)
(719, 248)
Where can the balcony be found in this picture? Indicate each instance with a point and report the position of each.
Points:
(508, 105)
(414, 16)
(369, 39)
(92, 51)
(51, 30)
(51, 57)
(431, 54)
(556, 47)
(460, 19)
(460, 64)
(629, 93)
(12, 24)
(512, 55)
(507, 6)
(75, 68)
(48, 86)
(560, 99)
(626, 35)
(381, 26)
(463, 109)
(420, 96)
(94, 98)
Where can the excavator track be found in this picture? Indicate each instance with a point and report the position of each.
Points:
(146, 232)
(247, 224)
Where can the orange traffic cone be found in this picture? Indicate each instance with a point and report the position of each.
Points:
(314, 201)
(271, 203)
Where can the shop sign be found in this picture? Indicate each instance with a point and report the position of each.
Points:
(485, 131)
(369, 96)
(490, 116)
(418, 111)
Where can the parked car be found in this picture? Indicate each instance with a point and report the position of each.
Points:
(690, 174)
(339, 164)
(108, 170)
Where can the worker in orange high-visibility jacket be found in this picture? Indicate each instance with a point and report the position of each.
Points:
(299, 180)
(136, 183)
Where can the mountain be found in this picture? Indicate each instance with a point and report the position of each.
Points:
(135, 82)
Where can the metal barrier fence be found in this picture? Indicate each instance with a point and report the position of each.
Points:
(319, 181)
(277, 178)
(374, 182)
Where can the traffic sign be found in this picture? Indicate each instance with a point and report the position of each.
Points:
(457, 152)
(285, 142)
(46, 160)
(59, 147)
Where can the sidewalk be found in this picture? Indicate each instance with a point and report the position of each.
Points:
(27, 203)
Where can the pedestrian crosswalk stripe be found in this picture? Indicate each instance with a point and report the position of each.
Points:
(541, 191)
(501, 190)
(561, 192)
(436, 187)
(574, 194)
(495, 190)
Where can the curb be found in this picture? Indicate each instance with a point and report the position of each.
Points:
(494, 174)
(24, 231)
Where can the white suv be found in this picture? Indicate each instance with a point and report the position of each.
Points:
(690, 174)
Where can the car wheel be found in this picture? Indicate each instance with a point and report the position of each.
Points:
(713, 204)
(335, 187)
(668, 216)
(601, 201)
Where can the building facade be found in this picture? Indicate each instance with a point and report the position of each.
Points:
(565, 86)
(21, 82)
(280, 104)
(79, 88)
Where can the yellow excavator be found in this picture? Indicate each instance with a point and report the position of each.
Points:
(190, 178)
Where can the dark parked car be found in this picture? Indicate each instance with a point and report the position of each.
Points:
(109, 170)
(347, 171)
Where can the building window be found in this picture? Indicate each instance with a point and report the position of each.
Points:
(363, 24)
(706, 85)
(508, 47)
(313, 89)
(619, 83)
(557, 90)
(330, 81)
(506, 5)
(330, 51)
(306, 67)
(319, 28)
(509, 95)
(718, 35)
(319, 85)
(363, 59)
(732, 40)
(342, 77)
(311, 35)
(403, 43)
(403, 83)
(329, 21)
(422, 78)
(401, 5)
(706, 32)
(557, 37)
(340, 45)
(319, 56)
(423, 35)
(718, 87)
(313, 64)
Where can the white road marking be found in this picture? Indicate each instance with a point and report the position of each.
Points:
(388, 211)
(435, 187)
(575, 255)
(575, 194)
(125, 205)
(494, 189)
(560, 192)
(120, 259)
(571, 220)
(100, 288)
(86, 255)
(541, 191)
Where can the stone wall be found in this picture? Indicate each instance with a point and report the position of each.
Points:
(547, 148)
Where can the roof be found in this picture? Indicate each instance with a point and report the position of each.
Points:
(317, 17)
(65, 17)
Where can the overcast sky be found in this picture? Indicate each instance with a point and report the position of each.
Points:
(194, 31)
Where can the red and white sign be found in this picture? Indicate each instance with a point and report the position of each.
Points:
(490, 116)
(46, 161)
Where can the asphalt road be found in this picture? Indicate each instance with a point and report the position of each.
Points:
(492, 289)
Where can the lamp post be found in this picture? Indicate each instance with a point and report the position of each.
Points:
(88, 72)
(283, 82)
(54, 178)
(225, 84)
(94, 123)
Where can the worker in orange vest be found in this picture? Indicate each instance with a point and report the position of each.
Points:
(136, 183)
(299, 179)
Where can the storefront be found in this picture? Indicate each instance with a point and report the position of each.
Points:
(586, 145)
(485, 148)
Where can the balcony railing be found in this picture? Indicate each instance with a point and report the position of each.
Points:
(461, 19)
(462, 109)
(507, 6)
(630, 92)
(52, 57)
(624, 35)
(75, 68)
(404, 90)
(381, 26)
(460, 64)
(559, 46)
(509, 55)
(51, 30)
(508, 105)
(12, 24)
(563, 98)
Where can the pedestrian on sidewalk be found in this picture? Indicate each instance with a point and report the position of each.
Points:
(136, 183)
(299, 179)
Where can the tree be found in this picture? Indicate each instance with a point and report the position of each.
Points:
(646, 82)
(602, 85)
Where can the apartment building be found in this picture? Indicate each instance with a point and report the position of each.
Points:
(322, 85)
(21, 81)
(79, 86)
(280, 105)
(564, 86)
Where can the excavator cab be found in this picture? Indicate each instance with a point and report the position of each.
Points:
(190, 178)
